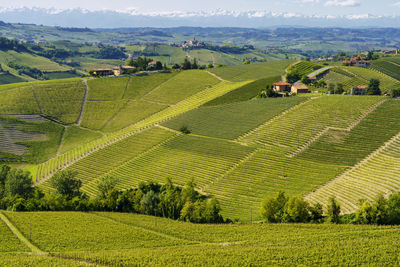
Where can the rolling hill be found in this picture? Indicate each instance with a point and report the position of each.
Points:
(240, 148)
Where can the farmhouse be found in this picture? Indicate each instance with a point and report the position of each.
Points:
(359, 90)
(122, 70)
(282, 87)
(300, 89)
(152, 64)
(356, 62)
(103, 72)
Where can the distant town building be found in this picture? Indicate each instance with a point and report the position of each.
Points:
(282, 87)
(300, 89)
(359, 90)
(357, 61)
(152, 64)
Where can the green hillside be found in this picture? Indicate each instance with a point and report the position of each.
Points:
(147, 241)
(240, 148)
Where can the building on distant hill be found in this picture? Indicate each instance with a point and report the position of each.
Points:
(357, 61)
(300, 89)
(282, 87)
(359, 90)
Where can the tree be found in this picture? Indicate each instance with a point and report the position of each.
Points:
(333, 210)
(4, 170)
(272, 208)
(176, 66)
(292, 77)
(194, 64)
(364, 213)
(18, 182)
(129, 62)
(66, 184)
(339, 88)
(380, 210)
(393, 209)
(331, 88)
(305, 80)
(395, 92)
(210, 65)
(186, 65)
(373, 87)
(316, 213)
(246, 62)
(321, 84)
(370, 55)
(106, 184)
(296, 210)
(189, 193)
(158, 66)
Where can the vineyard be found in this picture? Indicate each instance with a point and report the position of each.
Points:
(304, 68)
(236, 147)
(146, 241)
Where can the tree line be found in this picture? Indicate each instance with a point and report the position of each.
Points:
(17, 193)
(283, 209)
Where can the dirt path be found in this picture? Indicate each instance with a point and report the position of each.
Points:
(79, 120)
(216, 76)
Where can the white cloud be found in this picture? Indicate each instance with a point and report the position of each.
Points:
(397, 4)
(342, 3)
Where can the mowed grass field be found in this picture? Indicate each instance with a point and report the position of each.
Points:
(78, 239)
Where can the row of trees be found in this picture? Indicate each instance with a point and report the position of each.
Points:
(280, 209)
(32, 72)
(142, 64)
(17, 193)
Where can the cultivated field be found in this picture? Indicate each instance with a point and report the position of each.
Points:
(147, 241)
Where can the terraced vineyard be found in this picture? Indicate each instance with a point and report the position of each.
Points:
(145, 241)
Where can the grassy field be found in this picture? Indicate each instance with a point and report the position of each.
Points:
(148, 241)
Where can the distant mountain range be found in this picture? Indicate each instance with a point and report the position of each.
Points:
(217, 18)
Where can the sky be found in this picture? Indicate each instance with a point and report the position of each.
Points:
(303, 7)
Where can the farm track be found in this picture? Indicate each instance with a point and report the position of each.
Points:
(327, 129)
(79, 120)
(216, 76)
